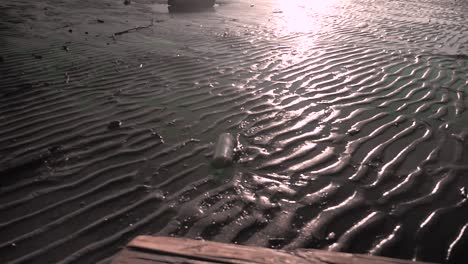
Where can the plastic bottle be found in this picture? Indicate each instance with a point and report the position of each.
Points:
(224, 151)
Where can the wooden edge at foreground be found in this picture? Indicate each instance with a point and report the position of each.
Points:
(153, 249)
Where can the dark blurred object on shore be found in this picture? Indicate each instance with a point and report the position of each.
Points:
(189, 5)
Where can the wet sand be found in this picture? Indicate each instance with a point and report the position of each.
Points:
(350, 118)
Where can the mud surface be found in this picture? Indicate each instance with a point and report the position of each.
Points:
(350, 118)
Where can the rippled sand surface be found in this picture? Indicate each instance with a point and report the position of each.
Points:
(350, 118)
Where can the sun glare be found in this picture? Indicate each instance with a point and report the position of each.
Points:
(300, 15)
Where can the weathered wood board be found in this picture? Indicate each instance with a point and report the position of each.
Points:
(153, 249)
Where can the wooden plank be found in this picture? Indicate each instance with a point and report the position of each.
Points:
(153, 249)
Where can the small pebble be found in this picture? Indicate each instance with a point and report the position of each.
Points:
(114, 124)
(127, 2)
(331, 236)
(463, 192)
(159, 195)
(55, 149)
(353, 132)
(362, 25)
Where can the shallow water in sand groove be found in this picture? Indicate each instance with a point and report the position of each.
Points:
(349, 115)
